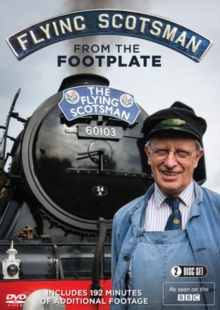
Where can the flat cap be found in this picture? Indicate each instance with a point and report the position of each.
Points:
(178, 117)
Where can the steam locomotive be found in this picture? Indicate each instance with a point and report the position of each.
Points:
(78, 160)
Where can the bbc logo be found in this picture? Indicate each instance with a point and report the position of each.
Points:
(188, 297)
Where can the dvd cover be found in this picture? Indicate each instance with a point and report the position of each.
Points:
(78, 80)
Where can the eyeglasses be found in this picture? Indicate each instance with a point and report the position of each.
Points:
(179, 154)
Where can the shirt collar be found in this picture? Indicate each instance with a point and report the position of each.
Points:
(158, 196)
(186, 195)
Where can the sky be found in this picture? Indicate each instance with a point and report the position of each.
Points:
(154, 88)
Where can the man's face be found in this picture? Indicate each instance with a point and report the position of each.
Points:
(172, 174)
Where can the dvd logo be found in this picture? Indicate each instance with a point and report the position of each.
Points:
(15, 299)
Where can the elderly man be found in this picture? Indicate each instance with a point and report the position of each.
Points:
(166, 244)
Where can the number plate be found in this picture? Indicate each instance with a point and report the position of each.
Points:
(100, 132)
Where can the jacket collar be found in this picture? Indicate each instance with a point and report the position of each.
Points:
(196, 209)
(138, 215)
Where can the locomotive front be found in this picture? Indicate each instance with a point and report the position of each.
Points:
(87, 167)
(79, 159)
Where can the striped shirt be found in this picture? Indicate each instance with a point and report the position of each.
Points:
(158, 210)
